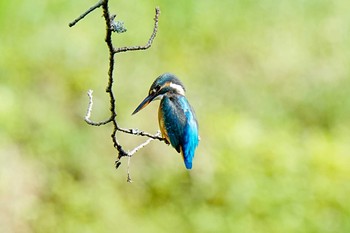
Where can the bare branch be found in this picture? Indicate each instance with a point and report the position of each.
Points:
(128, 179)
(97, 5)
(141, 133)
(88, 112)
(150, 41)
(131, 153)
(110, 28)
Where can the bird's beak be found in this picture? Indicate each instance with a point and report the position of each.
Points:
(144, 103)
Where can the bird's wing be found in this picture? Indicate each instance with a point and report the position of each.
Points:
(174, 120)
(190, 138)
(181, 126)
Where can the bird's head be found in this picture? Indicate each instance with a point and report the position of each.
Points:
(165, 84)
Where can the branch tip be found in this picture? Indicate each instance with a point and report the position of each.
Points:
(150, 40)
(88, 11)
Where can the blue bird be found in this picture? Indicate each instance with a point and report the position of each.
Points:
(176, 117)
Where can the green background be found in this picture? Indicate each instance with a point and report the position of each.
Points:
(269, 81)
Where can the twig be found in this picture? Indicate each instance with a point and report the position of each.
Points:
(97, 5)
(141, 133)
(128, 131)
(131, 153)
(150, 41)
(128, 179)
(88, 112)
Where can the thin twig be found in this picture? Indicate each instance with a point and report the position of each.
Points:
(128, 179)
(131, 153)
(150, 41)
(89, 110)
(97, 5)
(141, 133)
(128, 131)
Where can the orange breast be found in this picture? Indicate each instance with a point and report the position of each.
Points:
(161, 125)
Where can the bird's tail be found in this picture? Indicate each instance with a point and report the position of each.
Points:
(187, 156)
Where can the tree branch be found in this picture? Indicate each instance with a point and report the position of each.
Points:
(110, 28)
(131, 153)
(150, 41)
(89, 110)
(97, 5)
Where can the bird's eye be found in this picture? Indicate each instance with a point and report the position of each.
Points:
(154, 90)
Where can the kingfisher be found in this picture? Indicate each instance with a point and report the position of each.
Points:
(177, 120)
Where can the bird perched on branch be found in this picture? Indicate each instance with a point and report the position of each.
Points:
(177, 120)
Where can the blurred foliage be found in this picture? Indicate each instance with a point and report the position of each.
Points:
(270, 84)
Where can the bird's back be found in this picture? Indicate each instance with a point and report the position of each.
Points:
(179, 126)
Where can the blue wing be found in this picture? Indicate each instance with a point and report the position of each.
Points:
(181, 126)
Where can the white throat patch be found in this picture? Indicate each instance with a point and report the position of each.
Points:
(178, 88)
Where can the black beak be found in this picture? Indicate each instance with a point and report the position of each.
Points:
(144, 103)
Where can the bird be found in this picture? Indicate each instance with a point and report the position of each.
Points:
(176, 117)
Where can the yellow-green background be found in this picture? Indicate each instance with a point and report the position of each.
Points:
(269, 81)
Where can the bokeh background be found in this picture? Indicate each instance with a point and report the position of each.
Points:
(269, 81)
